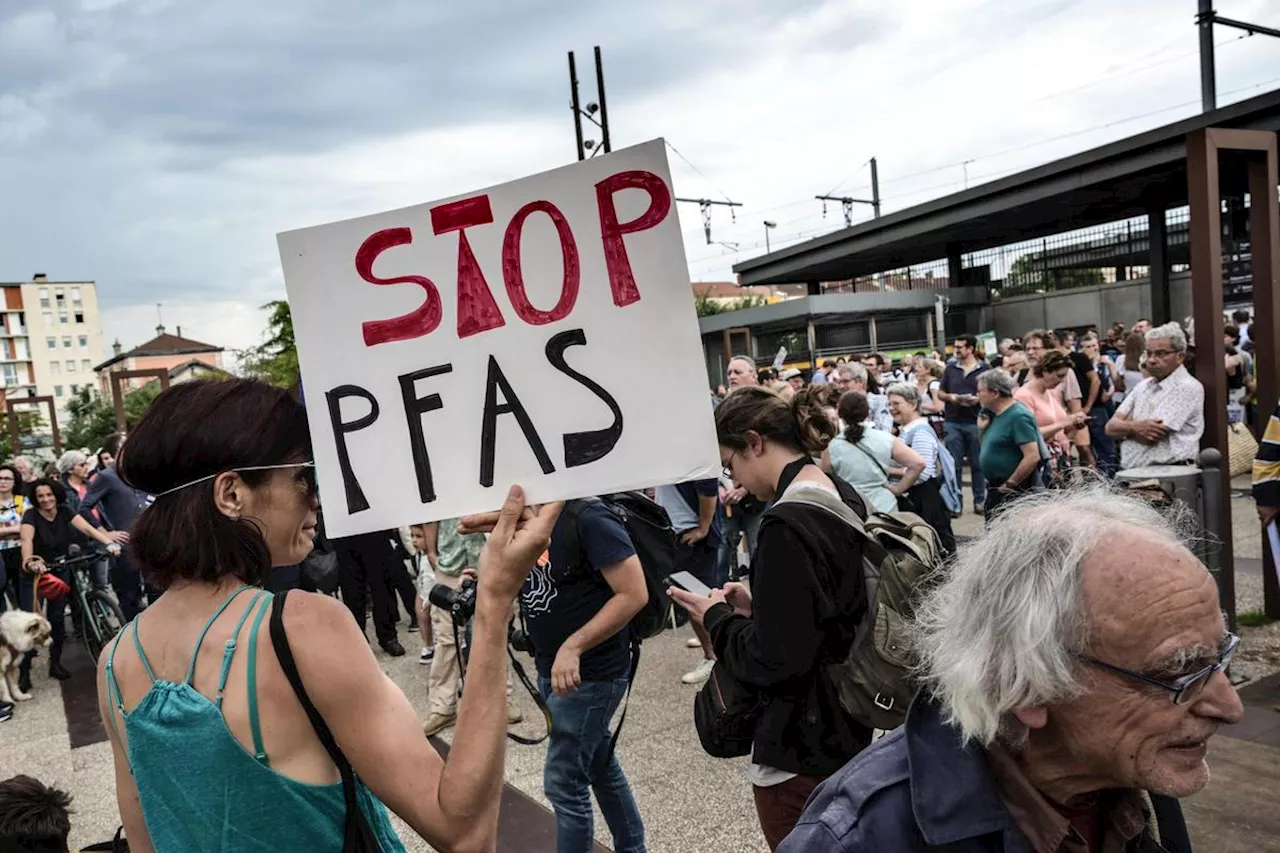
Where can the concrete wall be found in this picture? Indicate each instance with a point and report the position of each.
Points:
(1100, 306)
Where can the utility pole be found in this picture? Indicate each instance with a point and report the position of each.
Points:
(589, 113)
(705, 204)
(847, 202)
(1206, 17)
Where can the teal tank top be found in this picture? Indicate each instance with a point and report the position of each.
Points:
(201, 790)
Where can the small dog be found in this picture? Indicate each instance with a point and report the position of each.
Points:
(20, 632)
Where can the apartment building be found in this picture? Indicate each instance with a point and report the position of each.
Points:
(51, 339)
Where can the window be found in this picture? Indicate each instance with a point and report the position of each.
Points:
(71, 365)
(44, 297)
(10, 374)
(48, 318)
(60, 294)
(85, 365)
(62, 316)
(55, 367)
(52, 343)
(75, 294)
(84, 340)
(57, 390)
(66, 341)
(79, 317)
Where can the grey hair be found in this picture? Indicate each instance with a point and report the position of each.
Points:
(69, 460)
(1004, 629)
(854, 370)
(1170, 332)
(748, 359)
(905, 391)
(997, 381)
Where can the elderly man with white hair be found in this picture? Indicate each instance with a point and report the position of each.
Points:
(1073, 664)
(1161, 420)
(853, 377)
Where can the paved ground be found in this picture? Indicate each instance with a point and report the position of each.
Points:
(690, 802)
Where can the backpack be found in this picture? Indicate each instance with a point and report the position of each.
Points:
(901, 561)
(952, 496)
(655, 542)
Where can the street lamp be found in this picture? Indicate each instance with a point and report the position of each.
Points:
(769, 225)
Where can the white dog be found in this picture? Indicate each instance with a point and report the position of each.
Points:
(20, 632)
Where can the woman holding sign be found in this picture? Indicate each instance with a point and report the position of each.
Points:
(236, 735)
(803, 605)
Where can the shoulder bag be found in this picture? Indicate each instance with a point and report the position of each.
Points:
(358, 836)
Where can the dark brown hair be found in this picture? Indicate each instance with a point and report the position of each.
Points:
(1051, 362)
(1045, 336)
(59, 491)
(854, 411)
(1133, 347)
(33, 816)
(801, 425)
(201, 429)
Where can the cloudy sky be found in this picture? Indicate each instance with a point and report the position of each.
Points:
(157, 146)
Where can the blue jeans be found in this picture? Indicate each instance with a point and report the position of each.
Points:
(961, 439)
(736, 523)
(1104, 446)
(576, 765)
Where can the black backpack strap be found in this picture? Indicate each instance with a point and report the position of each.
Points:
(359, 836)
(594, 771)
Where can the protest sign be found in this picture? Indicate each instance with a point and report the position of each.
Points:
(539, 332)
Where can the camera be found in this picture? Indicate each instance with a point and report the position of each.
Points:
(460, 602)
(518, 639)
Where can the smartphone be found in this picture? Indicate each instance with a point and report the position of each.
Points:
(689, 583)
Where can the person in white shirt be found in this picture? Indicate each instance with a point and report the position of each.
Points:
(1161, 420)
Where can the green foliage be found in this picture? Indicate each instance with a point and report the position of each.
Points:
(1027, 274)
(707, 307)
(1253, 619)
(275, 360)
(29, 421)
(94, 418)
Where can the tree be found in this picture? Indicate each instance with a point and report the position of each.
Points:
(275, 360)
(29, 422)
(1028, 273)
(707, 307)
(93, 418)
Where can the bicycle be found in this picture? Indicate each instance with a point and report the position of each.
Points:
(97, 615)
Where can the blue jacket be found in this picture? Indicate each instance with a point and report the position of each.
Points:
(917, 790)
(116, 502)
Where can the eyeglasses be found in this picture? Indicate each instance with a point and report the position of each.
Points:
(1186, 687)
(308, 476)
(1162, 353)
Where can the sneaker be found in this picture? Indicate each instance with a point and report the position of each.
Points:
(693, 643)
(428, 654)
(699, 673)
(979, 509)
(513, 714)
(436, 723)
(413, 626)
(393, 648)
(6, 711)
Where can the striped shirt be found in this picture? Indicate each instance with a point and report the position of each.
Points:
(922, 439)
(1266, 465)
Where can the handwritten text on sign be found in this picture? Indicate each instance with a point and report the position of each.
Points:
(561, 300)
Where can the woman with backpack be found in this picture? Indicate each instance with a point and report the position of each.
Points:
(925, 497)
(803, 607)
(865, 457)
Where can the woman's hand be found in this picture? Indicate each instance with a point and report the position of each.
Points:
(738, 597)
(117, 537)
(518, 536)
(35, 566)
(697, 605)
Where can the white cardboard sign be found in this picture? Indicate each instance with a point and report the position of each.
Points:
(539, 332)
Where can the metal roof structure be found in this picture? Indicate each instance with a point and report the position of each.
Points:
(1127, 178)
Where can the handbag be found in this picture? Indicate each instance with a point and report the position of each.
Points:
(725, 713)
(1242, 447)
(358, 836)
(320, 572)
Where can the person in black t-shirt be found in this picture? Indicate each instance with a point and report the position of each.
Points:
(48, 530)
(576, 608)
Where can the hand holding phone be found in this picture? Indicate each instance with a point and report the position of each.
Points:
(689, 584)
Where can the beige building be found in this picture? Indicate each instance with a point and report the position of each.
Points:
(51, 339)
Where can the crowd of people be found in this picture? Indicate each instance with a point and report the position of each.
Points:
(1045, 694)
